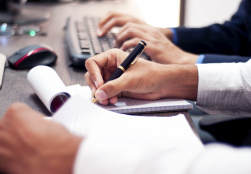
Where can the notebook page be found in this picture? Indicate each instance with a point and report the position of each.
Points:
(84, 118)
(128, 105)
(46, 83)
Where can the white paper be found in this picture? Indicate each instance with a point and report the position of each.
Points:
(2, 66)
(117, 142)
(134, 106)
(46, 83)
(83, 118)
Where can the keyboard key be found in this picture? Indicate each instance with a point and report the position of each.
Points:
(85, 50)
(82, 35)
(84, 44)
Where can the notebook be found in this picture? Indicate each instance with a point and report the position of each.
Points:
(48, 86)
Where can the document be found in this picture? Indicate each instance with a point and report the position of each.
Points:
(47, 85)
(119, 141)
(83, 118)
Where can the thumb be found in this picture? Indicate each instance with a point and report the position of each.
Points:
(110, 89)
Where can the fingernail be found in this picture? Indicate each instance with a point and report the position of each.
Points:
(99, 32)
(101, 95)
(96, 84)
(93, 91)
(114, 44)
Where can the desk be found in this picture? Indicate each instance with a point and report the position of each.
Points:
(15, 86)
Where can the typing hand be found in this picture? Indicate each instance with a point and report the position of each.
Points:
(144, 80)
(116, 20)
(31, 144)
(159, 48)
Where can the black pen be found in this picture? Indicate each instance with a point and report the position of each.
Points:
(129, 61)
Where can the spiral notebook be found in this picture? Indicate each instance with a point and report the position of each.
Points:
(47, 85)
(134, 106)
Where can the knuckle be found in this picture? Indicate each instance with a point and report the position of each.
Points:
(88, 63)
(135, 40)
(131, 31)
(110, 89)
(114, 20)
(114, 52)
(14, 109)
(128, 25)
(87, 76)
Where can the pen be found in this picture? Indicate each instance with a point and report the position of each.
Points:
(129, 61)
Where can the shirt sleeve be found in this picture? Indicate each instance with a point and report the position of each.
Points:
(229, 38)
(200, 59)
(175, 36)
(225, 88)
(214, 158)
(218, 158)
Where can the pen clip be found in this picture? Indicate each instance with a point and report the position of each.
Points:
(138, 56)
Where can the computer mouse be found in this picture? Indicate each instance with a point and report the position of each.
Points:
(31, 56)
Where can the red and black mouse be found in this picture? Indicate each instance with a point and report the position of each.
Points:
(31, 56)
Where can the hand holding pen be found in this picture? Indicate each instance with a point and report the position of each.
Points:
(107, 66)
(129, 61)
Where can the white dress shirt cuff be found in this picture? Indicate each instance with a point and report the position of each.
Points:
(225, 88)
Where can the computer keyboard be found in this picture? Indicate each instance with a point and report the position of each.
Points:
(82, 41)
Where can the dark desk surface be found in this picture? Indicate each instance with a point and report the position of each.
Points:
(15, 86)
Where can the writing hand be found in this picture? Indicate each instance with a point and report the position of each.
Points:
(144, 80)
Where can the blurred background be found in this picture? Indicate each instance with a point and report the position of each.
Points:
(161, 13)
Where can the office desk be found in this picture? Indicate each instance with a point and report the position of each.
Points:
(15, 86)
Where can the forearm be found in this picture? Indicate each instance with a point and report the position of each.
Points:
(179, 81)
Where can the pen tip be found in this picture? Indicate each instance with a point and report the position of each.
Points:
(94, 100)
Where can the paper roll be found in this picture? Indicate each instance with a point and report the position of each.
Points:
(46, 84)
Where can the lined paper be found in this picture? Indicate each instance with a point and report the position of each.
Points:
(133, 106)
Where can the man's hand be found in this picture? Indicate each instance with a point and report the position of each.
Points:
(144, 80)
(31, 144)
(116, 20)
(113, 19)
(159, 48)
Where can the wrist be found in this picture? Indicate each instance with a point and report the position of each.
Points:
(178, 56)
(189, 58)
(179, 81)
(167, 32)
